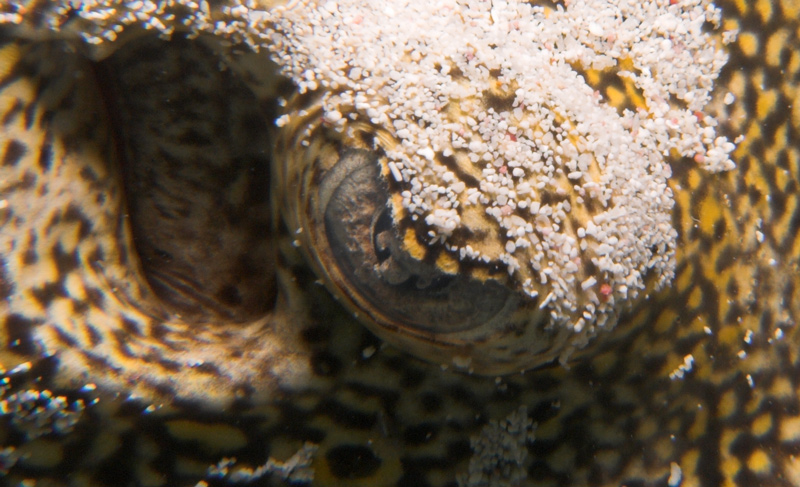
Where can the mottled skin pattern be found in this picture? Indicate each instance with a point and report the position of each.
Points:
(614, 418)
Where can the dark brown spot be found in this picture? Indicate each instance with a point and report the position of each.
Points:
(130, 326)
(6, 286)
(46, 157)
(75, 214)
(451, 164)
(720, 228)
(317, 333)
(79, 307)
(66, 262)
(65, 340)
(431, 402)
(13, 153)
(121, 344)
(420, 434)
(347, 416)
(169, 365)
(207, 368)
(727, 257)
(47, 293)
(499, 102)
(325, 364)
(95, 338)
(352, 461)
(229, 294)
(19, 331)
(29, 256)
(95, 297)
(88, 174)
(96, 256)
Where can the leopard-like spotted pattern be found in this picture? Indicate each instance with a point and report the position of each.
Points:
(380, 417)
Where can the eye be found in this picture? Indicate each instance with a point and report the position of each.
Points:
(396, 285)
(385, 280)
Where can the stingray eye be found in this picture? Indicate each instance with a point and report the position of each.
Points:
(394, 284)
(393, 287)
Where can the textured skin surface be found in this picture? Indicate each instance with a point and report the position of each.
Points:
(383, 418)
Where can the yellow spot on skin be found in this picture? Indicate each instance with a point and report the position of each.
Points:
(790, 429)
(690, 461)
(74, 286)
(739, 114)
(626, 64)
(775, 45)
(764, 8)
(412, 246)
(616, 97)
(790, 9)
(683, 280)
(792, 469)
(759, 462)
(730, 464)
(756, 401)
(709, 212)
(700, 425)
(766, 103)
(730, 24)
(730, 335)
(8, 59)
(213, 438)
(666, 321)
(695, 178)
(696, 298)
(748, 42)
(633, 94)
(593, 77)
(726, 405)
(782, 388)
(793, 156)
(796, 111)
(683, 200)
(447, 263)
(792, 67)
(762, 425)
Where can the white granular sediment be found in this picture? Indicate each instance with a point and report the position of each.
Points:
(499, 453)
(571, 194)
(565, 179)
